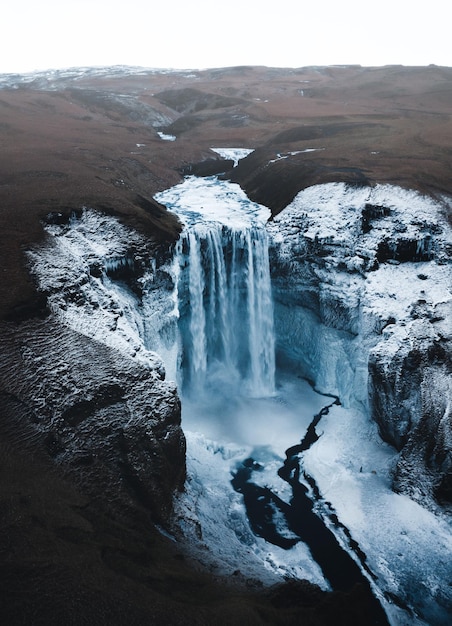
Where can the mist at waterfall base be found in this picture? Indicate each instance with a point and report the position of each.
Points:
(232, 412)
(227, 368)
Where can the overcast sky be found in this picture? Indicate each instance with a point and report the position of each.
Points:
(44, 34)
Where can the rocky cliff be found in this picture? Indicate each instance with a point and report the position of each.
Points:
(362, 276)
(100, 416)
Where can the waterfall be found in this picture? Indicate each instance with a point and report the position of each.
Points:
(226, 309)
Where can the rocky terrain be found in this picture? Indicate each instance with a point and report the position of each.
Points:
(366, 273)
(91, 445)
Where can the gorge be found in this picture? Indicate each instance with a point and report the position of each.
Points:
(255, 399)
(208, 313)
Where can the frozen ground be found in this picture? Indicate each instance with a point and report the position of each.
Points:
(407, 547)
(221, 432)
(211, 200)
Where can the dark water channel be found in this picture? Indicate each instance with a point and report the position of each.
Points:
(264, 510)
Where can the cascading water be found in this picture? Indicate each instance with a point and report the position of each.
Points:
(227, 325)
(222, 272)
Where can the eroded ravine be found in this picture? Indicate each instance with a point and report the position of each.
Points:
(102, 280)
(228, 347)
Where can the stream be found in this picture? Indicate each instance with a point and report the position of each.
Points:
(305, 524)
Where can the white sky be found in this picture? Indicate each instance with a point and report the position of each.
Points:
(44, 34)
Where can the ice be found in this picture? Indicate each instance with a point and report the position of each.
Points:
(275, 422)
(209, 199)
(116, 263)
(407, 547)
(234, 154)
(166, 137)
(219, 436)
(361, 302)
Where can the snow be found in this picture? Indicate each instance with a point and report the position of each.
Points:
(166, 137)
(391, 291)
(361, 302)
(90, 302)
(367, 307)
(286, 155)
(211, 200)
(51, 79)
(334, 211)
(210, 506)
(407, 547)
(220, 434)
(234, 154)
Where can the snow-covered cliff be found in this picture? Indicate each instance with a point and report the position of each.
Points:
(86, 376)
(362, 283)
(361, 300)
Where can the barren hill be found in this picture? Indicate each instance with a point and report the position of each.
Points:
(72, 139)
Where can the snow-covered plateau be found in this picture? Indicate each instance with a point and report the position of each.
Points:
(361, 303)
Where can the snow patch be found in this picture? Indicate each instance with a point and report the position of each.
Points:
(211, 200)
(234, 154)
(166, 137)
(407, 547)
(286, 155)
(74, 268)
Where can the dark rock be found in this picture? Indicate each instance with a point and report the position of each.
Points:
(425, 465)
(209, 167)
(35, 307)
(406, 250)
(128, 431)
(372, 212)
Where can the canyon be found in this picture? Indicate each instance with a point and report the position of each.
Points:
(106, 326)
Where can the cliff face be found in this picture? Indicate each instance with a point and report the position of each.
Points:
(103, 418)
(95, 393)
(361, 275)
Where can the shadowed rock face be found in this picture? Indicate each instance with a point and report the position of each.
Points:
(105, 419)
(91, 445)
